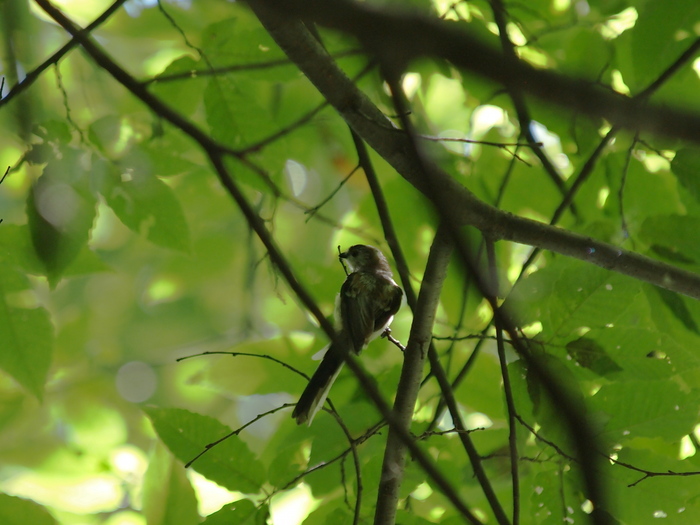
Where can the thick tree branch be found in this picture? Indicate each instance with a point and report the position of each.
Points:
(411, 374)
(394, 146)
(406, 35)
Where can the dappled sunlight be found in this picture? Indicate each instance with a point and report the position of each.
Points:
(180, 178)
(619, 23)
(210, 496)
(292, 506)
(80, 494)
(551, 144)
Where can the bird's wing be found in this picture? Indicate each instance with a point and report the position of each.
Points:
(356, 308)
(388, 305)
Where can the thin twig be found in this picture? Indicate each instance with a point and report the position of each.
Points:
(312, 211)
(507, 388)
(211, 445)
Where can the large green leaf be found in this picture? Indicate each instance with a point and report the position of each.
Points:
(657, 498)
(667, 237)
(656, 409)
(686, 166)
(145, 204)
(61, 211)
(168, 496)
(186, 434)
(567, 296)
(18, 511)
(180, 86)
(656, 40)
(242, 512)
(26, 331)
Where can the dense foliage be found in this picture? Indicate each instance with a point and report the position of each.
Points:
(180, 176)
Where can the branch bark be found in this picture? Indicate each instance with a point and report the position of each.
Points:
(411, 375)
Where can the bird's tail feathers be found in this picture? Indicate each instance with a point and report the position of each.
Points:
(316, 392)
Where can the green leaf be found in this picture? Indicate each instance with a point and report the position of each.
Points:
(18, 511)
(182, 93)
(686, 166)
(588, 296)
(236, 111)
(655, 41)
(551, 488)
(672, 497)
(242, 512)
(633, 349)
(186, 434)
(39, 153)
(17, 249)
(158, 161)
(60, 212)
(107, 134)
(668, 237)
(677, 305)
(241, 41)
(53, 131)
(570, 295)
(146, 205)
(647, 408)
(608, 7)
(590, 354)
(27, 333)
(168, 496)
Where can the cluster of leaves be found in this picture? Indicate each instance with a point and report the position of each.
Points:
(122, 248)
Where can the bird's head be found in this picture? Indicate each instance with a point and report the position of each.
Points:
(364, 258)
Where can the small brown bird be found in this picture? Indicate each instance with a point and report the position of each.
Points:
(364, 309)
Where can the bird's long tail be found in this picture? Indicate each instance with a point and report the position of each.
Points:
(316, 392)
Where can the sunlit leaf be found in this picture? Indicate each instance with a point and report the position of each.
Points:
(18, 511)
(61, 211)
(242, 511)
(648, 409)
(186, 434)
(27, 333)
(146, 205)
(168, 495)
